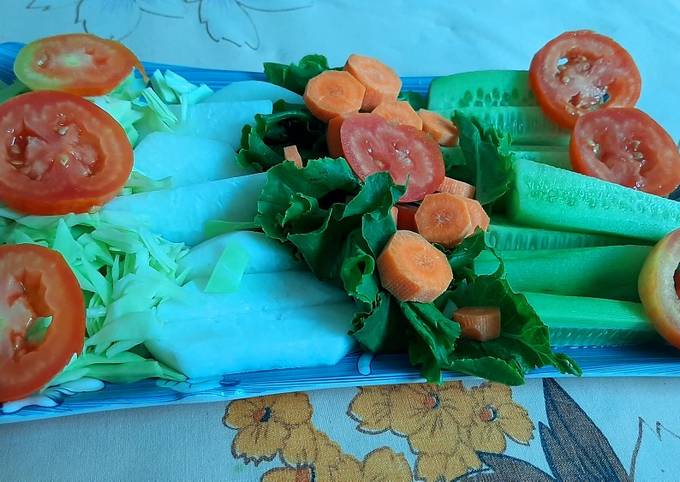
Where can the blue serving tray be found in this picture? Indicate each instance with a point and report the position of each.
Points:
(654, 360)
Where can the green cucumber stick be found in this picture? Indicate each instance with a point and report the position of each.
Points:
(599, 272)
(578, 321)
(547, 197)
(504, 236)
(484, 88)
(556, 156)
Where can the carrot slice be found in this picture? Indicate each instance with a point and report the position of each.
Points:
(332, 93)
(478, 216)
(440, 128)
(399, 112)
(333, 135)
(381, 82)
(412, 269)
(444, 218)
(454, 186)
(406, 217)
(291, 153)
(479, 323)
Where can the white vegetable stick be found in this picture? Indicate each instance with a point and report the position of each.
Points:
(306, 337)
(258, 293)
(266, 255)
(187, 160)
(221, 121)
(254, 90)
(180, 214)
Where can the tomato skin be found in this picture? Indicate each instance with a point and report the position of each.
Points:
(627, 147)
(81, 64)
(371, 144)
(656, 287)
(599, 73)
(51, 289)
(60, 153)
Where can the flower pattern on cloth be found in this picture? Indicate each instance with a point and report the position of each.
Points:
(446, 425)
(224, 20)
(280, 426)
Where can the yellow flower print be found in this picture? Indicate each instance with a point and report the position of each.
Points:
(383, 465)
(289, 474)
(371, 408)
(301, 446)
(264, 423)
(495, 416)
(446, 467)
(343, 469)
(433, 417)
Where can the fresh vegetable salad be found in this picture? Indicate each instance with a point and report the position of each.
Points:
(153, 228)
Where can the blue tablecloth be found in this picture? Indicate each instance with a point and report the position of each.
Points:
(603, 429)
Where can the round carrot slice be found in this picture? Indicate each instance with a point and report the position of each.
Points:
(439, 127)
(332, 93)
(381, 82)
(444, 218)
(371, 145)
(412, 269)
(479, 323)
(399, 112)
(454, 186)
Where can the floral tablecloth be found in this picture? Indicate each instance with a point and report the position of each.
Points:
(594, 430)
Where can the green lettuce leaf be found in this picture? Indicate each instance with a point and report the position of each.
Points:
(524, 342)
(483, 160)
(295, 76)
(340, 225)
(289, 124)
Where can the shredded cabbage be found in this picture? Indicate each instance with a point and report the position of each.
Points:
(125, 271)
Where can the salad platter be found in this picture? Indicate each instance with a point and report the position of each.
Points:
(631, 351)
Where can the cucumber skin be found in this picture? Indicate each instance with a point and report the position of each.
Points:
(485, 88)
(556, 158)
(575, 321)
(506, 237)
(601, 272)
(526, 125)
(548, 197)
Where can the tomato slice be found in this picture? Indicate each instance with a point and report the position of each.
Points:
(371, 144)
(626, 146)
(582, 71)
(657, 288)
(36, 282)
(81, 64)
(60, 153)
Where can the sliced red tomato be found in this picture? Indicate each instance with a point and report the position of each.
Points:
(60, 153)
(81, 64)
(371, 144)
(657, 288)
(628, 147)
(35, 283)
(582, 71)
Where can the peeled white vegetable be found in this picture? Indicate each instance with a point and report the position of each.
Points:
(303, 337)
(254, 90)
(180, 214)
(220, 121)
(186, 160)
(265, 255)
